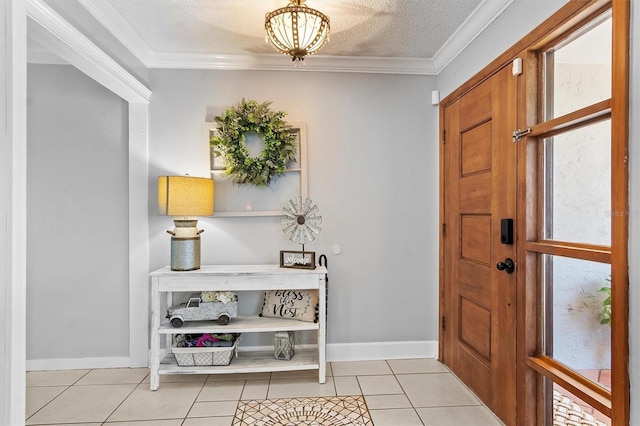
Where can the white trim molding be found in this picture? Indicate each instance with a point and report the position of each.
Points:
(369, 351)
(469, 30)
(108, 16)
(77, 363)
(481, 17)
(50, 30)
(139, 312)
(282, 63)
(382, 350)
(13, 211)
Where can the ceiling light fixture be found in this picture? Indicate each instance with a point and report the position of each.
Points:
(297, 30)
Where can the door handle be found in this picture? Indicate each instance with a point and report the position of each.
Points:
(508, 265)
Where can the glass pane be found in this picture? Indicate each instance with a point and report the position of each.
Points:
(578, 71)
(577, 199)
(577, 331)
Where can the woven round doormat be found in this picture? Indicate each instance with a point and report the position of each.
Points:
(320, 411)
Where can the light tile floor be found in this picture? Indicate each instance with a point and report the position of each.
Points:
(398, 393)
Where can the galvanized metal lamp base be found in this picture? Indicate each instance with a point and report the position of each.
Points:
(185, 245)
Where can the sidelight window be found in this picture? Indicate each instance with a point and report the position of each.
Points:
(577, 185)
(576, 214)
(577, 70)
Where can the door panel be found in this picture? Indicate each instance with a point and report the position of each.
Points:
(477, 193)
(475, 328)
(476, 109)
(479, 190)
(475, 234)
(476, 150)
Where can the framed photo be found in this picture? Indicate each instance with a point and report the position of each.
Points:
(298, 259)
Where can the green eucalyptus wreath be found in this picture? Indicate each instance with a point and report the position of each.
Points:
(279, 143)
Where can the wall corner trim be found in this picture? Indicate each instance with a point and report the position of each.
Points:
(56, 34)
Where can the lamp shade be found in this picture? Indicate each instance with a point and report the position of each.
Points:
(185, 196)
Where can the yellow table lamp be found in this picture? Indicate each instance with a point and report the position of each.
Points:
(185, 197)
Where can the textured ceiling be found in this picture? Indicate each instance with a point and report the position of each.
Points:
(372, 28)
(386, 36)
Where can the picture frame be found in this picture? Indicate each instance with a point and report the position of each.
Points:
(297, 259)
(232, 200)
(217, 161)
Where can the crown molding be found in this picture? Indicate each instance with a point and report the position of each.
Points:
(469, 30)
(483, 15)
(316, 63)
(50, 30)
(113, 21)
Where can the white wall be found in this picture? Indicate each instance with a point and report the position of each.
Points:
(77, 240)
(373, 172)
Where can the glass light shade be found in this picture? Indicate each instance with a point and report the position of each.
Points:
(185, 196)
(297, 30)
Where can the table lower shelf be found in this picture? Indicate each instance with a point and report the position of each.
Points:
(248, 362)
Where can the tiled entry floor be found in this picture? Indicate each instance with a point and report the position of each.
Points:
(397, 392)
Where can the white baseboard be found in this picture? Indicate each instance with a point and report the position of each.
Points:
(381, 350)
(369, 351)
(335, 352)
(77, 363)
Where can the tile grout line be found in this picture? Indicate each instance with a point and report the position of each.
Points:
(52, 399)
(404, 392)
(204, 383)
(269, 387)
(363, 396)
(75, 383)
(124, 399)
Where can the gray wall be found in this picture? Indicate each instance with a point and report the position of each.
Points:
(373, 172)
(77, 242)
(514, 23)
(358, 180)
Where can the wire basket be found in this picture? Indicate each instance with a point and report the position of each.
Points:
(205, 356)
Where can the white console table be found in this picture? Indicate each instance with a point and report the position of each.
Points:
(164, 282)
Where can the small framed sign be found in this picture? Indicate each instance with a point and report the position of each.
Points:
(298, 259)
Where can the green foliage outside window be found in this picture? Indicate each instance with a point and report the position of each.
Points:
(605, 314)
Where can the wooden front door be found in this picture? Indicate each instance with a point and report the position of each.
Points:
(478, 190)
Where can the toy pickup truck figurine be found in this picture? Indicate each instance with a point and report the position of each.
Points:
(214, 305)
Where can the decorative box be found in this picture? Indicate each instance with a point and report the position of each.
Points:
(205, 356)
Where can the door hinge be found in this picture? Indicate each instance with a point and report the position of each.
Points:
(518, 134)
(444, 230)
(443, 325)
(444, 136)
